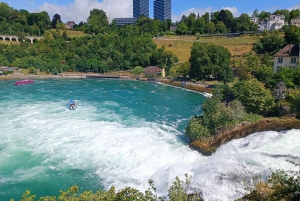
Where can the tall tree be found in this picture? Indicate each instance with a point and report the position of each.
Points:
(220, 27)
(292, 35)
(294, 14)
(191, 22)
(182, 28)
(263, 15)
(200, 25)
(255, 13)
(270, 43)
(214, 17)
(206, 17)
(56, 18)
(226, 17)
(284, 12)
(210, 28)
(207, 60)
(97, 20)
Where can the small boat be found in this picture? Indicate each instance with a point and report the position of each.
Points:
(22, 82)
(71, 104)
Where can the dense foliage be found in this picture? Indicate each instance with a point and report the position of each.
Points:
(219, 113)
(270, 43)
(210, 60)
(281, 185)
(97, 53)
(254, 96)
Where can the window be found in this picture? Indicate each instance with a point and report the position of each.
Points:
(293, 60)
(280, 60)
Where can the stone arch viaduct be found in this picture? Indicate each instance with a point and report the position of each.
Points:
(16, 38)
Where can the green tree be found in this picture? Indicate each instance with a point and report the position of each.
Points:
(244, 22)
(138, 70)
(270, 43)
(226, 17)
(284, 12)
(225, 75)
(254, 96)
(263, 15)
(263, 73)
(293, 97)
(199, 25)
(182, 28)
(252, 61)
(292, 35)
(206, 17)
(255, 13)
(196, 129)
(97, 21)
(191, 20)
(214, 17)
(294, 14)
(56, 18)
(210, 28)
(183, 69)
(209, 59)
(220, 27)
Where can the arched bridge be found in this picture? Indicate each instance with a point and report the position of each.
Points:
(16, 38)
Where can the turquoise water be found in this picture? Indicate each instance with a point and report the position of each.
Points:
(122, 134)
(47, 148)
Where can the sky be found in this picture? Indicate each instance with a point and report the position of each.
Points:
(78, 10)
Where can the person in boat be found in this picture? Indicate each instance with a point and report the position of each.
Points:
(72, 103)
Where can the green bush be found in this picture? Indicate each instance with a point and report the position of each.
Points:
(281, 185)
(196, 130)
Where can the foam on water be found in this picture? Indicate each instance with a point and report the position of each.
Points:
(122, 139)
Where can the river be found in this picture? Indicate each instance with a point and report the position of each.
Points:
(121, 134)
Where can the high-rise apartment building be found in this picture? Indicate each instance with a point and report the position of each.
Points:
(162, 9)
(140, 7)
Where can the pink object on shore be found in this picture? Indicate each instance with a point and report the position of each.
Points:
(22, 82)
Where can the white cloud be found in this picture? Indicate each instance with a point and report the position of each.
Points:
(295, 7)
(31, 2)
(80, 9)
(233, 10)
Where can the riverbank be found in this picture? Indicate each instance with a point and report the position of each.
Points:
(61, 76)
(188, 85)
(205, 89)
(209, 145)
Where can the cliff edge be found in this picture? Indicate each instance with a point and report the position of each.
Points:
(209, 145)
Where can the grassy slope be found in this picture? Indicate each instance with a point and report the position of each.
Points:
(181, 45)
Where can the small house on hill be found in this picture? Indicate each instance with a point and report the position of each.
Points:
(154, 71)
(70, 24)
(173, 28)
(296, 21)
(287, 57)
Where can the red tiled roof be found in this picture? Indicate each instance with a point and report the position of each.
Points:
(289, 50)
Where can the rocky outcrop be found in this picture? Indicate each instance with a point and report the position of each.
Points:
(209, 145)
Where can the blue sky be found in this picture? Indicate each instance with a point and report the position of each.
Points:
(78, 10)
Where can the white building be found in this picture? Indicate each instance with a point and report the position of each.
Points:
(296, 21)
(255, 20)
(274, 22)
(287, 57)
